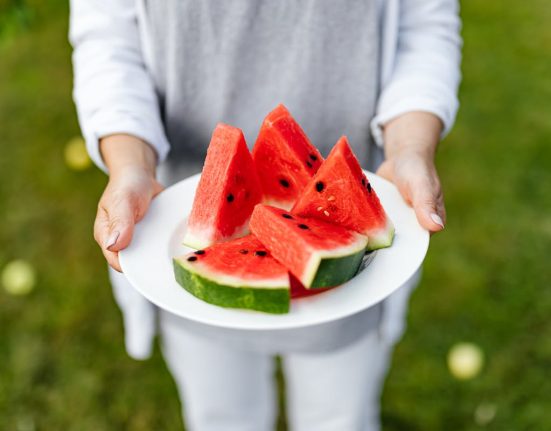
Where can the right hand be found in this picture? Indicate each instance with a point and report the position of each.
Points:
(132, 186)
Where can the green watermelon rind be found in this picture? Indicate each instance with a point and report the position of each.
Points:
(329, 268)
(272, 300)
(336, 271)
(383, 238)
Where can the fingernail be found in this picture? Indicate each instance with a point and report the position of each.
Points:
(112, 240)
(437, 219)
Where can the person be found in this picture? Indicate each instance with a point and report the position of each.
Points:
(153, 76)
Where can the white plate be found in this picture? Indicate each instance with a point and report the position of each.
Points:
(147, 263)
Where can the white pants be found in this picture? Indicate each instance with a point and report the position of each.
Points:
(232, 389)
(225, 385)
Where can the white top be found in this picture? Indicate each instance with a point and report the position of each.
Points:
(420, 68)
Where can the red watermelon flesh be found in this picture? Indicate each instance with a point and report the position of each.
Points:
(299, 291)
(340, 193)
(317, 253)
(227, 192)
(238, 274)
(284, 157)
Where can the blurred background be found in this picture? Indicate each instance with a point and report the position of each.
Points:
(477, 354)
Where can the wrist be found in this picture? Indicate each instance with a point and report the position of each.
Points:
(409, 148)
(412, 133)
(124, 153)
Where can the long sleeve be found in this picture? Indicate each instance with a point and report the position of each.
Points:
(425, 71)
(113, 91)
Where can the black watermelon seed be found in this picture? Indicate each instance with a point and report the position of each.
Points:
(369, 187)
(363, 182)
(302, 226)
(284, 183)
(200, 252)
(243, 251)
(192, 258)
(289, 216)
(229, 198)
(313, 157)
(308, 164)
(260, 253)
(319, 186)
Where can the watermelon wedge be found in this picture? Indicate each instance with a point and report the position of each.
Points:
(318, 253)
(299, 291)
(340, 193)
(236, 274)
(284, 158)
(227, 191)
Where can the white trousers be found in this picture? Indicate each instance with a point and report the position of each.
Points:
(225, 385)
(232, 389)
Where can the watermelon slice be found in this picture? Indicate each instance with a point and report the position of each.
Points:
(340, 193)
(235, 274)
(227, 192)
(299, 291)
(318, 253)
(284, 157)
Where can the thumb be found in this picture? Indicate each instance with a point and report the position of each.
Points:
(385, 171)
(428, 203)
(120, 226)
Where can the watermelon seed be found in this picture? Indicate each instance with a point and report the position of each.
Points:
(319, 208)
(260, 253)
(363, 182)
(331, 198)
(319, 186)
(289, 216)
(326, 213)
(284, 183)
(192, 258)
(200, 252)
(313, 157)
(308, 164)
(229, 198)
(243, 251)
(303, 226)
(369, 187)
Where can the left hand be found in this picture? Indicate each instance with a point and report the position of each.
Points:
(410, 147)
(417, 180)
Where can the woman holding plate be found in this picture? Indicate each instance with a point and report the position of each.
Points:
(157, 76)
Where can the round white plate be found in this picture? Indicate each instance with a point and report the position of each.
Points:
(147, 263)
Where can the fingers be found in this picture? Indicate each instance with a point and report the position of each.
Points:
(114, 227)
(112, 258)
(101, 235)
(121, 215)
(419, 185)
(428, 203)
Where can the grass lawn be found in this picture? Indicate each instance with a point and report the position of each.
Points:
(487, 278)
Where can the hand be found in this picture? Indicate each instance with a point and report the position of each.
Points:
(417, 180)
(132, 186)
(410, 146)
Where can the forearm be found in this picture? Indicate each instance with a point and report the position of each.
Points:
(113, 90)
(414, 131)
(121, 151)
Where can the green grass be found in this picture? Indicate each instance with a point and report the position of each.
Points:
(487, 279)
